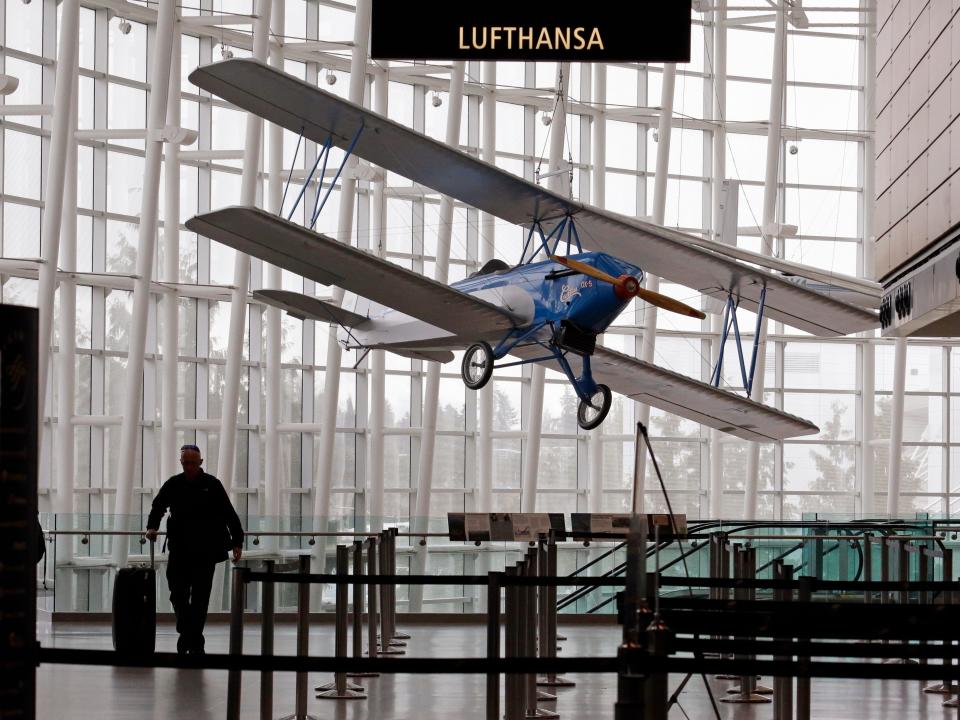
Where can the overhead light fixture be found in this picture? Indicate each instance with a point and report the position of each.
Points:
(331, 78)
(26, 2)
(793, 149)
(225, 52)
(124, 27)
(546, 118)
(656, 136)
(437, 100)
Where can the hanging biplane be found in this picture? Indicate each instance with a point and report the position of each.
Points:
(549, 307)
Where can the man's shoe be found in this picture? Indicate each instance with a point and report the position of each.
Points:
(182, 646)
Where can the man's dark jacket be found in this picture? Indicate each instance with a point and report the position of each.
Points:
(202, 520)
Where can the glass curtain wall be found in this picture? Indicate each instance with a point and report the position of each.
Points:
(820, 191)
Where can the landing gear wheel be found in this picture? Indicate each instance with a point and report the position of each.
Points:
(592, 415)
(477, 365)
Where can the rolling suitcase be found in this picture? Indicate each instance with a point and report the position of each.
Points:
(135, 609)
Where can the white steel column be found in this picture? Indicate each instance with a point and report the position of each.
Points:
(488, 153)
(171, 273)
(331, 387)
(272, 482)
(557, 182)
(53, 202)
(66, 360)
(65, 502)
(769, 233)
(376, 397)
(431, 392)
(648, 344)
(896, 427)
(598, 198)
(241, 271)
(146, 249)
(719, 175)
(868, 376)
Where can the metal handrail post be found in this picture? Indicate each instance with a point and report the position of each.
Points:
(266, 644)
(236, 642)
(494, 583)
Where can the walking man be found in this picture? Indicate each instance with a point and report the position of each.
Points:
(202, 528)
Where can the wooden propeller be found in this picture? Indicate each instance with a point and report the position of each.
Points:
(628, 287)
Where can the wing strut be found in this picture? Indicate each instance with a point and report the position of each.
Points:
(324, 155)
(556, 235)
(730, 320)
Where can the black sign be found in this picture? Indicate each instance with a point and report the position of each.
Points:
(18, 509)
(645, 31)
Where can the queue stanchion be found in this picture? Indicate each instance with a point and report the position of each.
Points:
(902, 551)
(371, 598)
(925, 561)
(783, 686)
(745, 569)
(948, 686)
(543, 617)
(388, 646)
(520, 632)
(494, 583)
(237, 598)
(557, 637)
(521, 637)
(303, 642)
(804, 595)
(715, 543)
(356, 633)
(658, 639)
(729, 554)
(397, 634)
(750, 567)
(549, 646)
(533, 625)
(340, 688)
(266, 644)
(511, 623)
(867, 566)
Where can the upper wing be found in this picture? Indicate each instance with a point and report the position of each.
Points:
(671, 254)
(688, 398)
(678, 257)
(326, 261)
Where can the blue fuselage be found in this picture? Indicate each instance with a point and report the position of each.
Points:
(561, 294)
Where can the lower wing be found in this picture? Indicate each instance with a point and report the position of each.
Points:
(675, 393)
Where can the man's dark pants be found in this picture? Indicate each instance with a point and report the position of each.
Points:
(190, 579)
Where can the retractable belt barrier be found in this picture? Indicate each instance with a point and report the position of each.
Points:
(790, 627)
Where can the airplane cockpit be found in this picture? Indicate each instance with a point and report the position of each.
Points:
(491, 267)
